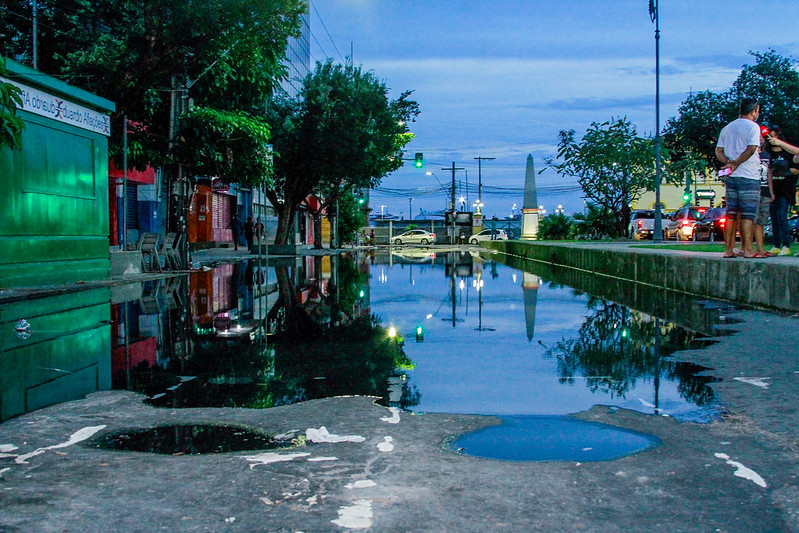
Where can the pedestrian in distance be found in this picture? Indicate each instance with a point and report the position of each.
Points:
(235, 227)
(737, 151)
(249, 232)
(784, 171)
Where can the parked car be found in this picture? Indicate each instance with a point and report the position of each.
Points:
(642, 224)
(415, 236)
(489, 235)
(711, 226)
(680, 225)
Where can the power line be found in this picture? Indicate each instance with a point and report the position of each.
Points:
(328, 33)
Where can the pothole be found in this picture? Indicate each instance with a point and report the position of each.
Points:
(193, 440)
(552, 438)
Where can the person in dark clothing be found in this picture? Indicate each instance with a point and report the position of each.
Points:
(235, 227)
(249, 231)
(784, 173)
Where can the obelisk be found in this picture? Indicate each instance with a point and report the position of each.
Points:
(530, 205)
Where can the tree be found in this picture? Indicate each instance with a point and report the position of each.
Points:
(10, 124)
(612, 164)
(595, 223)
(341, 132)
(223, 54)
(554, 227)
(693, 134)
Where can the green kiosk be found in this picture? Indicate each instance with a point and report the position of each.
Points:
(55, 231)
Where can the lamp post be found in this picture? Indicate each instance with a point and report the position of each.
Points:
(410, 208)
(654, 16)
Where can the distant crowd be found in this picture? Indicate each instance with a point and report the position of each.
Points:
(760, 172)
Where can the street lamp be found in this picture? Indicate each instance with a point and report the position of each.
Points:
(382, 210)
(478, 205)
(654, 15)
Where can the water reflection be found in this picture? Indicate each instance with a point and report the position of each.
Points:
(573, 352)
(489, 339)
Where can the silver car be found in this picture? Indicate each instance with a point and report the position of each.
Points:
(414, 236)
(489, 235)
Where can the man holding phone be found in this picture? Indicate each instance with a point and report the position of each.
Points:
(737, 151)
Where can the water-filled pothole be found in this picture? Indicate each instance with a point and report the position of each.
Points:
(193, 440)
(552, 438)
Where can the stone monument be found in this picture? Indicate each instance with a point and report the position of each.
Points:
(530, 205)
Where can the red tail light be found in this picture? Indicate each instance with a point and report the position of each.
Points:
(686, 222)
(722, 221)
(432, 234)
(640, 224)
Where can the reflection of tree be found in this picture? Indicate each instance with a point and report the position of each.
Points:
(356, 358)
(615, 347)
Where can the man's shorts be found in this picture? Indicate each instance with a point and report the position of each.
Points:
(763, 215)
(743, 197)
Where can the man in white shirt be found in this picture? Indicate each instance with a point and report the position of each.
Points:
(737, 151)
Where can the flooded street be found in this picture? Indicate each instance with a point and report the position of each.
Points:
(393, 391)
(452, 332)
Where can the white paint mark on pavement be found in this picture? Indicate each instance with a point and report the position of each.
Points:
(763, 382)
(80, 435)
(323, 435)
(386, 445)
(271, 457)
(743, 471)
(361, 484)
(355, 516)
(7, 447)
(320, 459)
(4, 470)
(394, 418)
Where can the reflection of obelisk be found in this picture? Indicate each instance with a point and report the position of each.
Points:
(530, 206)
(530, 290)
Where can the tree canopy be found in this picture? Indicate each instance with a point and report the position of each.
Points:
(10, 124)
(612, 163)
(772, 80)
(223, 54)
(341, 132)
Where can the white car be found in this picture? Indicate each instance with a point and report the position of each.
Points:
(414, 236)
(489, 235)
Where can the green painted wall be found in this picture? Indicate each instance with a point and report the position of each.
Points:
(55, 195)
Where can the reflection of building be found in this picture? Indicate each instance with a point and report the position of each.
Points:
(530, 284)
(64, 358)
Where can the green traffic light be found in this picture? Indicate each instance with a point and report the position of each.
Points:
(419, 160)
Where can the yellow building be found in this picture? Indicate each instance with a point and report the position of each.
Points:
(706, 191)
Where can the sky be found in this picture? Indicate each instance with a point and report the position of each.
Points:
(501, 78)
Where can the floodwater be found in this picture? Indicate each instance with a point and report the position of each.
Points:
(451, 332)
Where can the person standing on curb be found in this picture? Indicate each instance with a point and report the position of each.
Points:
(737, 151)
(249, 232)
(235, 227)
(784, 171)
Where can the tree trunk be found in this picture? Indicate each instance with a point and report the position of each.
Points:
(317, 229)
(285, 222)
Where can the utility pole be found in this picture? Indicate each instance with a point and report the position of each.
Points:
(480, 176)
(452, 199)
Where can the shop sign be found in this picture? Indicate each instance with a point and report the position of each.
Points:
(46, 105)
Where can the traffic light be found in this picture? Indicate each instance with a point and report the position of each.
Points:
(686, 196)
(419, 334)
(419, 161)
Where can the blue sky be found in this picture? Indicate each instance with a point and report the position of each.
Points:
(500, 79)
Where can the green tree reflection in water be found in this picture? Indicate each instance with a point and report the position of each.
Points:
(616, 347)
(322, 342)
(349, 353)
